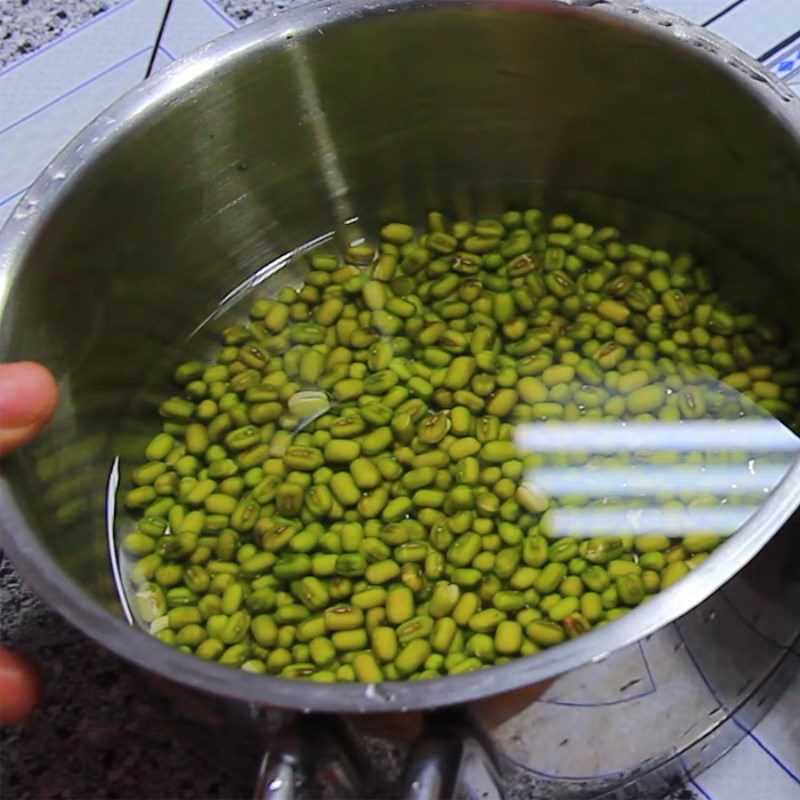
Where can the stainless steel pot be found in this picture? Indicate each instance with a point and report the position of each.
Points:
(335, 117)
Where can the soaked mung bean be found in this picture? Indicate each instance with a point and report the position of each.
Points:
(339, 496)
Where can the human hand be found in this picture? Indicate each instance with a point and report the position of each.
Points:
(28, 397)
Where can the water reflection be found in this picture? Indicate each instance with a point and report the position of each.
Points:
(698, 435)
(587, 523)
(642, 478)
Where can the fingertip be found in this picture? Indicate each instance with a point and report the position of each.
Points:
(21, 687)
(28, 397)
(28, 392)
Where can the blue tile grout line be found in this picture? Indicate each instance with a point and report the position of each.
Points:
(542, 774)
(10, 197)
(791, 53)
(554, 776)
(778, 47)
(18, 192)
(740, 725)
(647, 666)
(44, 48)
(604, 703)
(691, 780)
(601, 704)
(100, 17)
(74, 89)
(768, 752)
(700, 789)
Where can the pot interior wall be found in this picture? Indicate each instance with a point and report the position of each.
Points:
(463, 110)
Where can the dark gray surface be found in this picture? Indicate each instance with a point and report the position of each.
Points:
(247, 10)
(26, 25)
(101, 732)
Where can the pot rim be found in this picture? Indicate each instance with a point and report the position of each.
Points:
(132, 643)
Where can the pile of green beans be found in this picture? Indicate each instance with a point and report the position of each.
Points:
(338, 496)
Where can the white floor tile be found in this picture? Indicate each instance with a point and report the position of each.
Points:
(28, 147)
(192, 23)
(695, 10)
(49, 73)
(748, 772)
(758, 25)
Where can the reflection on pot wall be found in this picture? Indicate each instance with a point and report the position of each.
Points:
(672, 703)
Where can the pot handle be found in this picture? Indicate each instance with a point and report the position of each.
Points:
(451, 754)
(313, 748)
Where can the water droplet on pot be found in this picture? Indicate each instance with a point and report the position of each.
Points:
(27, 208)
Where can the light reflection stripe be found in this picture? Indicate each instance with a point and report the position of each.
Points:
(648, 480)
(614, 437)
(584, 523)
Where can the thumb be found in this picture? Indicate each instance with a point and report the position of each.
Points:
(28, 397)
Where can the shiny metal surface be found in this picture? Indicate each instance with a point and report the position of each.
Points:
(309, 753)
(445, 758)
(276, 781)
(260, 142)
(642, 721)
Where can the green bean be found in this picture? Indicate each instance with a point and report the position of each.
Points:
(369, 598)
(384, 644)
(236, 655)
(672, 573)
(508, 637)
(591, 606)
(602, 549)
(459, 372)
(348, 464)
(486, 620)
(399, 605)
(412, 656)
(343, 618)
(576, 624)
(349, 641)
(415, 628)
(563, 608)
(181, 616)
(464, 549)
(397, 233)
(496, 452)
(444, 600)
(545, 633)
(550, 577)
(366, 668)
(535, 550)
(701, 543)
